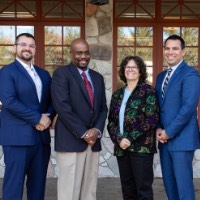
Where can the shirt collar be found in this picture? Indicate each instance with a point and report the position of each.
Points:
(175, 67)
(86, 71)
(27, 67)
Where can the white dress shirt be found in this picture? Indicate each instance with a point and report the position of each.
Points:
(173, 70)
(35, 77)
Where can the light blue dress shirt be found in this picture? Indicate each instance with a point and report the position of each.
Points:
(122, 110)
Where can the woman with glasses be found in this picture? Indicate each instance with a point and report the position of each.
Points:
(133, 115)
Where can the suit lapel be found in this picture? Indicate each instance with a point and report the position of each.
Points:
(26, 75)
(173, 78)
(160, 85)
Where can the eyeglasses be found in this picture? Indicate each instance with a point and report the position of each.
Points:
(131, 67)
(23, 44)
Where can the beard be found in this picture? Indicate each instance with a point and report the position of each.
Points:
(78, 63)
(25, 57)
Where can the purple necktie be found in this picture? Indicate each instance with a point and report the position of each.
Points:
(89, 88)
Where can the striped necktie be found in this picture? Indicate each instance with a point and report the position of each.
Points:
(169, 71)
(89, 88)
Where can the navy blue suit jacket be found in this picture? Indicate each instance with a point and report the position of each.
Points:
(21, 110)
(75, 115)
(178, 109)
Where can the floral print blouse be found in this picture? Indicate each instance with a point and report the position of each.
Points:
(140, 119)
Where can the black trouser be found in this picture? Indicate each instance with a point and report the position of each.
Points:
(136, 174)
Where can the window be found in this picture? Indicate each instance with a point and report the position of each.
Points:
(57, 45)
(140, 28)
(135, 41)
(191, 37)
(7, 40)
(54, 24)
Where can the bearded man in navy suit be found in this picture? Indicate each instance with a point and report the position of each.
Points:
(80, 124)
(26, 115)
(178, 90)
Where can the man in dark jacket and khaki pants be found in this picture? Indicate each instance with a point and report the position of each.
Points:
(80, 124)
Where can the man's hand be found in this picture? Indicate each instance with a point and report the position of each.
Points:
(39, 127)
(44, 122)
(161, 135)
(125, 143)
(91, 136)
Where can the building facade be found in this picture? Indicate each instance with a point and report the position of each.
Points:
(114, 30)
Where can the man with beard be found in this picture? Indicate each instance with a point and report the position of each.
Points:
(26, 115)
(78, 95)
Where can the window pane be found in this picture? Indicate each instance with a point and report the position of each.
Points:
(55, 12)
(170, 11)
(53, 55)
(180, 10)
(73, 10)
(66, 55)
(191, 56)
(146, 9)
(71, 33)
(190, 35)
(194, 7)
(57, 43)
(126, 36)
(7, 9)
(47, 6)
(25, 29)
(145, 53)
(135, 41)
(7, 55)
(26, 9)
(53, 35)
(167, 31)
(120, 7)
(144, 36)
(135, 9)
(18, 8)
(63, 9)
(7, 34)
(123, 52)
(7, 40)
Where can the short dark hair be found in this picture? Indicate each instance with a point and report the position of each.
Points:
(176, 37)
(24, 34)
(139, 62)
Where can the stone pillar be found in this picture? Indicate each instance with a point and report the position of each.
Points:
(99, 35)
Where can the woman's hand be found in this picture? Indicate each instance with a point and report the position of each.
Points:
(125, 143)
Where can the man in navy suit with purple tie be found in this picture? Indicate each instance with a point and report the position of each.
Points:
(26, 115)
(178, 90)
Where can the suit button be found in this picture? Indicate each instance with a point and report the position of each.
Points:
(91, 111)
